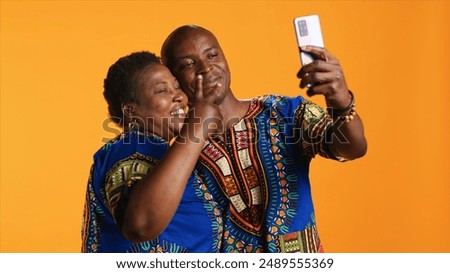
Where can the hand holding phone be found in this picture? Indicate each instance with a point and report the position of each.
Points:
(308, 31)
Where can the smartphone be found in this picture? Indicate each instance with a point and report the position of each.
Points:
(308, 31)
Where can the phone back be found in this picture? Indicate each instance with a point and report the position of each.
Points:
(308, 32)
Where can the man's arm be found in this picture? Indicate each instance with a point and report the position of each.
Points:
(325, 77)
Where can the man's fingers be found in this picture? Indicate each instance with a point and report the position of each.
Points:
(320, 53)
(317, 66)
(320, 89)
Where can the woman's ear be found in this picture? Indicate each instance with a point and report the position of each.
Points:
(127, 110)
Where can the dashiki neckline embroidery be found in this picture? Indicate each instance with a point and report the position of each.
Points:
(239, 173)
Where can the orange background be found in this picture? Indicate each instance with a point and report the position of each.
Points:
(395, 55)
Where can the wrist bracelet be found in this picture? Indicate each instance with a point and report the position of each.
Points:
(350, 116)
(337, 112)
(352, 107)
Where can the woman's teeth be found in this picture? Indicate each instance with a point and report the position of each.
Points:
(178, 112)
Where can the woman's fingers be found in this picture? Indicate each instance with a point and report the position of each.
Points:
(201, 95)
(198, 92)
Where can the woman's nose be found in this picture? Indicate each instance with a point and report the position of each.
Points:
(178, 96)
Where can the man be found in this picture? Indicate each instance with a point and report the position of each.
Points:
(258, 167)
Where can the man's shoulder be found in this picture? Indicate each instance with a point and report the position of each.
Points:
(279, 101)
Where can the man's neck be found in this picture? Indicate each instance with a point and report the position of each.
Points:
(233, 110)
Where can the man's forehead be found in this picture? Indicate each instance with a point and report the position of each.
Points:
(196, 36)
(194, 44)
(188, 41)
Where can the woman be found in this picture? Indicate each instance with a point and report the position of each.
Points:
(142, 195)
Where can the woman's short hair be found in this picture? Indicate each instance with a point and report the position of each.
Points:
(122, 81)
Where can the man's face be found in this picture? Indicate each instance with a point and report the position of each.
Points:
(195, 51)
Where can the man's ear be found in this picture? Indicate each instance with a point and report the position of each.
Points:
(127, 109)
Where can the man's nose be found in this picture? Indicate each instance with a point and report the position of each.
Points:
(204, 67)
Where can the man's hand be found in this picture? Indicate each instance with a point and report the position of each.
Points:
(324, 76)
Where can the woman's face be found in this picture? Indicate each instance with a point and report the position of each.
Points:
(162, 103)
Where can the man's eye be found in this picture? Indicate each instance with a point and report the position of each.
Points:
(212, 56)
(187, 64)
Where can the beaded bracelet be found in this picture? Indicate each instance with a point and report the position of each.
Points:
(350, 116)
(351, 106)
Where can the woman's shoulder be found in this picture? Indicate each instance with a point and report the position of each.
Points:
(129, 143)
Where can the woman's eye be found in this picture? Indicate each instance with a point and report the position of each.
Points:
(177, 87)
(161, 91)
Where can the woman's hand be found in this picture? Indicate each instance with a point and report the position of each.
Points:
(204, 117)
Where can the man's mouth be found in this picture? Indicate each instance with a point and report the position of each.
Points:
(211, 82)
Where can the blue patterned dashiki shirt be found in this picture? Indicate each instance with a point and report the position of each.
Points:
(259, 174)
(196, 226)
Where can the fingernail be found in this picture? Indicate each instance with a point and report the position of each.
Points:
(219, 84)
(200, 77)
(304, 47)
